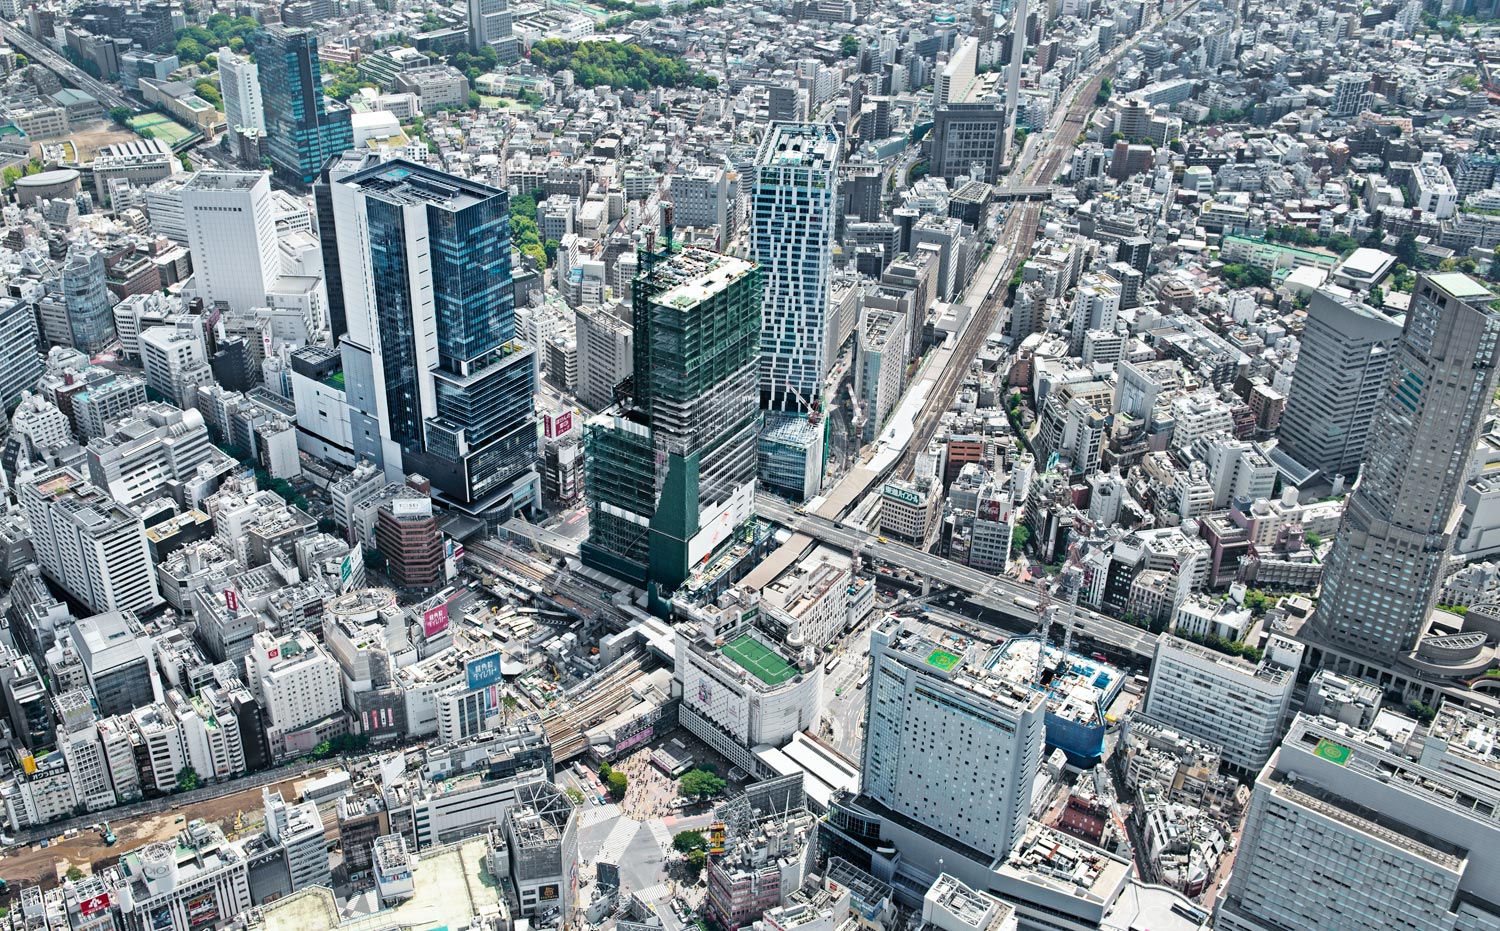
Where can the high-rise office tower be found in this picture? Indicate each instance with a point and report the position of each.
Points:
(303, 127)
(231, 226)
(489, 23)
(1342, 371)
(336, 168)
(437, 381)
(1382, 575)
(670, 472)
(85, 289)
(796, 181)
(925, 704)
(794, 207)
(20, 363)
(1346, 832)
(240, 79)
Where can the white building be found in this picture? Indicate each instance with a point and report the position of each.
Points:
(90, 545)
(296, 683)
(231, 226)
(1433, 188)
(947, 747)
(1348, 832)
(176, 362)
(735, 705)
(1222, 699)
(240, 83)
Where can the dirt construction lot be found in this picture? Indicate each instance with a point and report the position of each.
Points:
(32, 865)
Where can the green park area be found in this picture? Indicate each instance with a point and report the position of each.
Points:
(160, 126)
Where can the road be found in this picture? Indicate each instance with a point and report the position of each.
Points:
(994, 593)
(70, 73)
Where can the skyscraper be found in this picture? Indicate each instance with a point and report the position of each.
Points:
(954, 751)
(792, 230)
(20, 363)
(85, 288)
(1345, 832)
(437, 381)
(1382, 575)
(1342, 371)
(336, 168)
(489, 23)
(240, 79)
(231, 225)
(303, 127)
(796, 182)
(670, 471)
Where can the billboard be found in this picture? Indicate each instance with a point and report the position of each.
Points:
(231, 599)
(558, 424)
(411, 507)
(716, 835)
(435, 621)
(901, 494)
(484, 671)
(547, 893)
(97, 903)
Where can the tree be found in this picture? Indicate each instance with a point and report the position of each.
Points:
(849, 45)
(10, 176)
(508, 706)
(575, 796)
(700, 784)
(1106, 89)
(550, 248)
(1313, 539)
(74, 873)
(688, 841)
(617, 783)
(696, 860)
(1020, 535)
(187, 779)
(1469, 82)
(1377, 296)
(120, 115)
(1257, 601)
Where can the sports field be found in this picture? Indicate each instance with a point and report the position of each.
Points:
(160, 126)
(758, 660)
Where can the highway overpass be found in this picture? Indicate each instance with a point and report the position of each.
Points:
(993, 593)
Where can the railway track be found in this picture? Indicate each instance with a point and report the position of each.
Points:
(1023, 224)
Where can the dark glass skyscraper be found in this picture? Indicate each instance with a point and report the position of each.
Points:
(670, 471)
(437, 382)
(303, 127)
(1382, 576)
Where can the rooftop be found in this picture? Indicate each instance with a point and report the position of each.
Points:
(452, 888)
(1459, 285)
(759, 660)
(800, 145)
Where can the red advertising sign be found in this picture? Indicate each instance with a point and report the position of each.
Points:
(98, 902)
(231, 599)
(557, 424)
(435, 620)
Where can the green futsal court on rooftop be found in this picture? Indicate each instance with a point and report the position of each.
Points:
(759, 660)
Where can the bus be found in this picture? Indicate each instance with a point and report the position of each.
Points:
(832, 664)
(862, 680)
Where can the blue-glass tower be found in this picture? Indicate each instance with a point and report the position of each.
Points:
(437, 381)
(303, 127)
